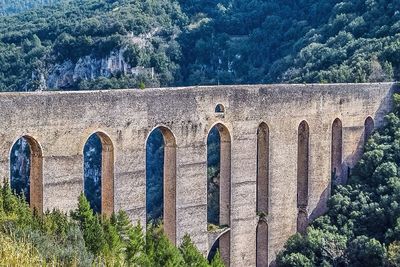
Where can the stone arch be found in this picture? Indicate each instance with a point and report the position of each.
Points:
(224, 188)
(107, 172)
(262, 168)
(369, 126)
(336, 151)
(169, 182)
(214, 242)
(262, 244)
(35, 176)
(302, 170)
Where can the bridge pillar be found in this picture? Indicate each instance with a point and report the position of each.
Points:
(191, 189)
(244, 183)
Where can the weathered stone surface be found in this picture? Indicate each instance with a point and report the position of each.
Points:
(61, 122)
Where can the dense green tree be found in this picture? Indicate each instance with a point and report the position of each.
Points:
(364, 251)
(191, 254)
(87, 238)
(90, 224)
(160, 251)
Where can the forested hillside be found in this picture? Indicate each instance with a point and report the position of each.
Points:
(88, 44)
(8, 7)
(261, 41)
(91, 44)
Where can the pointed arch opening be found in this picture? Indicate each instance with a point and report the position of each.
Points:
(26, 171)
(336, 151)
(262, 244)
(161, 180)
(219, 186)
(262, 193)
(369, 126)
(302, 174)
(98, 154)
(262, 169)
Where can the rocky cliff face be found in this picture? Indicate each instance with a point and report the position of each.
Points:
(68, 74)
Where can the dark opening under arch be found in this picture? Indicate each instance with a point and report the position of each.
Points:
(262, 244)
(26, 171)
(219, 109)
(262, 169)
(302, 174)
(262, 193)
(369, 126)
(161, 180)
(219, 184)
(98, 156)
(336, 151)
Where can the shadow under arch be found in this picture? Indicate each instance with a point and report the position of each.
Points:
(262, 169)
(223, 192)
(336, 152)
(262, 244)
(262, 194)
(369, 126)
(168, 180)
(106, 182)
(35, 175)
(303, 154)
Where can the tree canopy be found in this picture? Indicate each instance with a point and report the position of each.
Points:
(88, 44)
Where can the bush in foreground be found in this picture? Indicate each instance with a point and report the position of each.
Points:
(85, 239)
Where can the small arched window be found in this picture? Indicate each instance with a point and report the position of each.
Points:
(220, 109)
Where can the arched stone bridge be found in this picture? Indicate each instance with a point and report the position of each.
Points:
(280, 145)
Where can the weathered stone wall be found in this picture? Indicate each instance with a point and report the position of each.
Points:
(61, 122)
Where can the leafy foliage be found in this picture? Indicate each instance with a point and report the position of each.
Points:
(64, 45)
(236, 41)
(41, 44)
(8, 7)
(84, 239)
(362, 225)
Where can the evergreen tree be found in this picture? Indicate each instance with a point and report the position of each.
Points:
(114, 246)
(191, 254)
(160, 250)
(123, 225)
(90, 225)
(10, 202)
(135, 250)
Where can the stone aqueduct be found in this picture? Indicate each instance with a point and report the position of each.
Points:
(279, 147)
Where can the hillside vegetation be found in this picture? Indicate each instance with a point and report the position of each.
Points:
(74, 44)
(8, 7)
(257, 41)
(85, 239)
(98, 44)
(362, 226)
